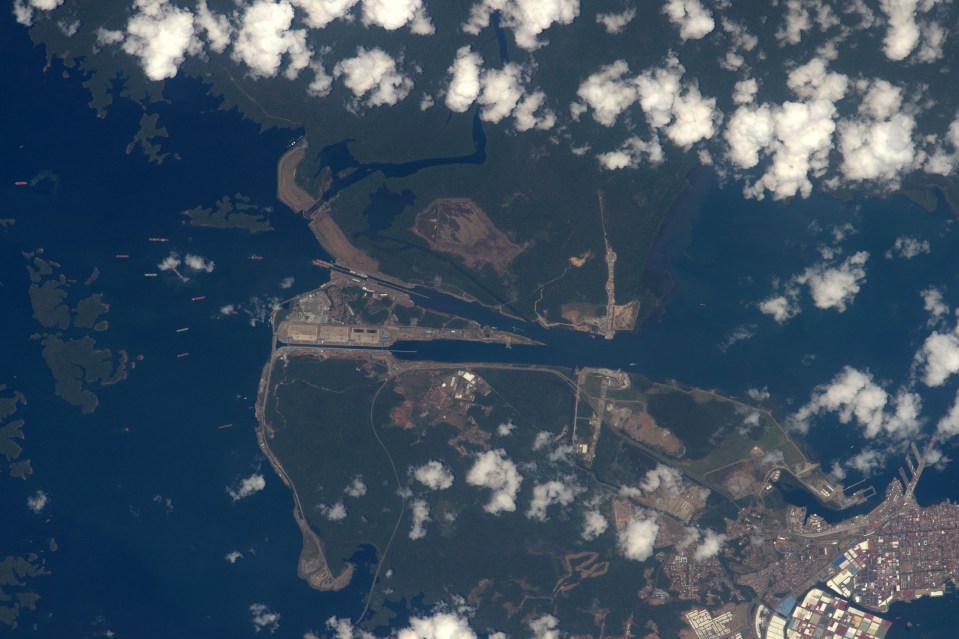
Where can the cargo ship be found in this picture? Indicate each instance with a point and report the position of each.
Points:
(149, 275)
(198, 298)
(256, 258)
(322, 264)
(159, 239)
(183, 355)
(182, 330)
(122, 256)
(20, 183)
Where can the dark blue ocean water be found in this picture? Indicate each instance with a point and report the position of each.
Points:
(133, 565)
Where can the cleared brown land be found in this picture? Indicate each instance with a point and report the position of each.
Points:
(460, 227)
(331, 237)
(327, 232)
(287, 190)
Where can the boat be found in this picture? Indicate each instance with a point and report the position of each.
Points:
(159, 239)
(122, 256)
(182, 330)
(224, 425)
(322, 264)
(199, 297)
(256, 258)
(149, 275)
(20, 183)
(182, 354)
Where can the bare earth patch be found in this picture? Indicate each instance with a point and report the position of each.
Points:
(458, 226)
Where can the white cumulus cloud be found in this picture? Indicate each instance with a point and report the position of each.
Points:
(37, 502)
(550, 493)
(434, 475)
(494, 470)
(421, 516)
(372, 75)
(854, 396)
(265, 37)
(594, 524)
(247, 486)
(637, 538)
(692, 18)
(527, 18)
(264, 618)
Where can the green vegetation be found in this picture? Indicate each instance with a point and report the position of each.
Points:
(10, 431)
(510, 563)
(75, 362)
(231, 213)
(145, 137)
(701, 420)
(89, 310)
(14, 597)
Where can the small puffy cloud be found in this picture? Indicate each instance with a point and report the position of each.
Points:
(234, 556)
(441, 625)
(882, 100)
(749, 131)
(549, 493)
(322, 82)
(780, 307)
(665, 480)
(609, 92)
(637, 538)
(934, 304)
(434, 475)
(106, 37)
(744, 91)
(854, 396)
(336, 512)
(464, 86)
(878, 150)
(939, 357)
(421, 516)
(948, 426)
(394, 14)
(161, 35)
(228, 309)
(287, 282)
(320, 13)
(692, 18)
(199, 263)
(497, 472)
(710, 545)
(506, 428)
(594, 525)
(170, 262)
(501, 92)
(616, 22)
(372, 75)
(631, 153)
(264, 618)
(908, 247)
(867, 461)
(217, 28)
(23, 9)
(357, 487)
(527, 18)
(902, 34)
(835, 286)
(247, 486)
(545, 627)
(265, 37)
(37, 502)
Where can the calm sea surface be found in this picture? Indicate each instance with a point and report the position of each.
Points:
(138, 502)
